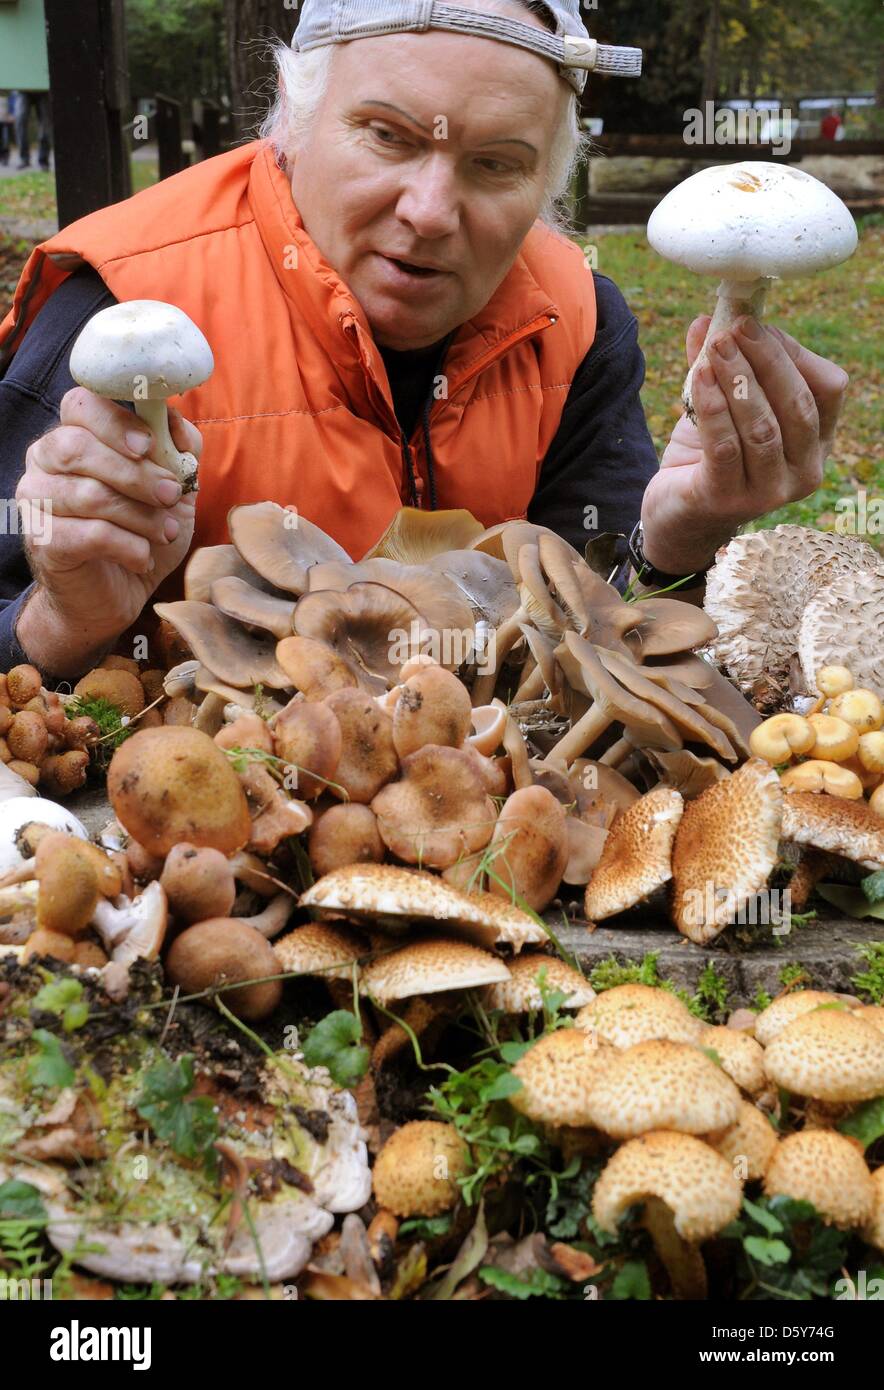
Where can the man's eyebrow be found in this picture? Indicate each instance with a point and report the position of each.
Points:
(501, 140)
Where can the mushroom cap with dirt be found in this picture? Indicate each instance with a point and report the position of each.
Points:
(529, 849)
(634, 1013)
(522, 993)
(759, 587)
(416, 1171)
(395, 898)
(433, 965)
(637, 855)
(172, 784)
(725, 850)
(198, 883)
(438, 810)
(662, 1085)
(826, 1169)
(221, 952)
(343, 835)
(557, 1075)
(830, 1054)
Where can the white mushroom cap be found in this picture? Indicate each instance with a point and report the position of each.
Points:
(141, 350)
(742, 221)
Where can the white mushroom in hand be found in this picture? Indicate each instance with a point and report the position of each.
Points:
(750, 224)
(145, 351)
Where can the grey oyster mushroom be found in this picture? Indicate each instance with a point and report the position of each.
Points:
(145, 351)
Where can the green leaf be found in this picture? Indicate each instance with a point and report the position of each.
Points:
(21, 1201)
(427, 1227)
(766, 1219)
(767, 1252)
(469, 1256)
(632, 1281)
(64, 998)
(189, 1127)
(851, 900)
(50, 1067)
(866, 1123)
(335, 1043)
(501, 1088)
(873, 887)
(512, 1052)
(534, 1283)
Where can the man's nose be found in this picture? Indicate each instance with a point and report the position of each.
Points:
(429, 199)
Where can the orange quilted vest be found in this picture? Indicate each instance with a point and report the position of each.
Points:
(298, 410)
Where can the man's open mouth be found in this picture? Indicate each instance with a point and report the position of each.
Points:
(411, 269)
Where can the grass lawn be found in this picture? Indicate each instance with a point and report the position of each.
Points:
(835, 314)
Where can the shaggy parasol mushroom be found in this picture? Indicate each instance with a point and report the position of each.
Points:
(759, 587)
(326, 949)
(529, 849)
(225, 951)
(749, 224)
(662, 1085)
(522, 993)
(629, 1014)
(845, 621)
(172, 784)
(227, 650)
(438, 811)
(850, 828)
(344, 835)
(689, 1193)
(557, 1076)
(725, 850)
(789, 1007)
(416, 1171)
(830, 1054)
(393, 898)
(741, 1056)
(827, 1170)
(748, 1145)
(637, 856)
(430, 966)
(145, 351)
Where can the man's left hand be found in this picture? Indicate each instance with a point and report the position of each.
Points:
(766, 414)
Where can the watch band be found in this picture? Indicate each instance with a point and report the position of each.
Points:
(647, 573)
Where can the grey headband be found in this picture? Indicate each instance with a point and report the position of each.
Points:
(570, 47)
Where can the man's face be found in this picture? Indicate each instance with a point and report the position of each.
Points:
(430, 151)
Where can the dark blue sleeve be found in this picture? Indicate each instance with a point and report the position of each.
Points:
(602, 458)
(31, 390)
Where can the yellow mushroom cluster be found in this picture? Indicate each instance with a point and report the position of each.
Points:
(837, 747)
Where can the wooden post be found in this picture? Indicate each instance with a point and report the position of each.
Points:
(89, 82)
(210, 135)
(171, 155)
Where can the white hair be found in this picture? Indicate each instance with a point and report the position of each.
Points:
(303, 80)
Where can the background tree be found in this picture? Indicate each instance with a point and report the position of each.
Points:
(251, 26)
(177, 47)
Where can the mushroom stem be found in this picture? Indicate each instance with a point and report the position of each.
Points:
(682, 1261)
(19, 898)
(505, 638)
(271, 921)
(735, 298)
(533, 687)
(581, 736)
(156, 415)
(617, 753)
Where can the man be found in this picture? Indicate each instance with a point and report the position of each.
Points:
(25, 103)
(392, 324)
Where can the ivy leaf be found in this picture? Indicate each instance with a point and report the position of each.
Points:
(501, 1087)
(21, 1201)
(851, 900)
(866, 1123)
(189, 1126)
(534, 1283)
(512, 1052)
(767, 1252)
(50, 1067)
(632, 1281)
(335, 1043)
(765, 1219)
(873, 887)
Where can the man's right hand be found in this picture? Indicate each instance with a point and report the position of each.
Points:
(113, 526)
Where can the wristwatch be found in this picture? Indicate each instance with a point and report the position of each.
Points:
(646, 573)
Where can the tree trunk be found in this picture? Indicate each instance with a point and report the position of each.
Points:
(252, 25)
(710, 70)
